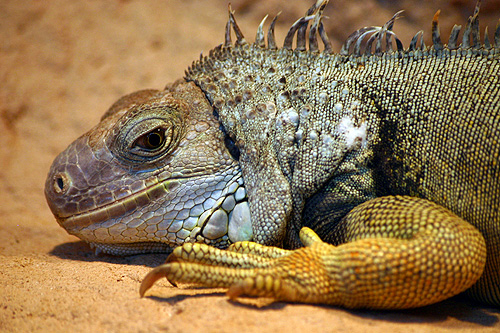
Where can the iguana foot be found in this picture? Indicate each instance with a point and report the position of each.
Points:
(251, 269)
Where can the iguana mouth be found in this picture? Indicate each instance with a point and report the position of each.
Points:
(119, 207)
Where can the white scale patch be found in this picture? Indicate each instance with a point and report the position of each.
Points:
(240, 223)
(351, 132)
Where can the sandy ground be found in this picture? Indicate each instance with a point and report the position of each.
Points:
(62, 63)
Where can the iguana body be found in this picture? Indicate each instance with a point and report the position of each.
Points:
(385, 156)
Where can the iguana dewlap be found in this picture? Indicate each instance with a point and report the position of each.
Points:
(383, 163)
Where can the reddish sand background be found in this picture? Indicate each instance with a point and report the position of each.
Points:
(62, 63)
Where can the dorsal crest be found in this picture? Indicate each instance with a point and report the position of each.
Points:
(368, 40)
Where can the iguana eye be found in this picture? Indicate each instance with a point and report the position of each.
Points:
(151, 140)
(150, 133)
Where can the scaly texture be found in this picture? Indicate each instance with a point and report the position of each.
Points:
(390, 156)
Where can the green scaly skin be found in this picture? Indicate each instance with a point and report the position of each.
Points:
(383, 164)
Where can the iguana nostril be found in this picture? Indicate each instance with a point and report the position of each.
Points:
(61, 183)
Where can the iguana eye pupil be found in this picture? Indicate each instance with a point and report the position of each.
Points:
(155, 139)
(152, 140)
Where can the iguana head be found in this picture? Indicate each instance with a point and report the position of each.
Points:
(156, 172)
(160, 168)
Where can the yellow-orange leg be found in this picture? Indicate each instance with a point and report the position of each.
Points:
(401, 252)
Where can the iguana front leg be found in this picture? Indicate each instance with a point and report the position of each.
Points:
(400, 252)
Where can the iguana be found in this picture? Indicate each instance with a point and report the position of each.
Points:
(383, 162)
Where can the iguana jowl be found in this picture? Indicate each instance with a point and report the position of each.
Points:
(390, 156)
